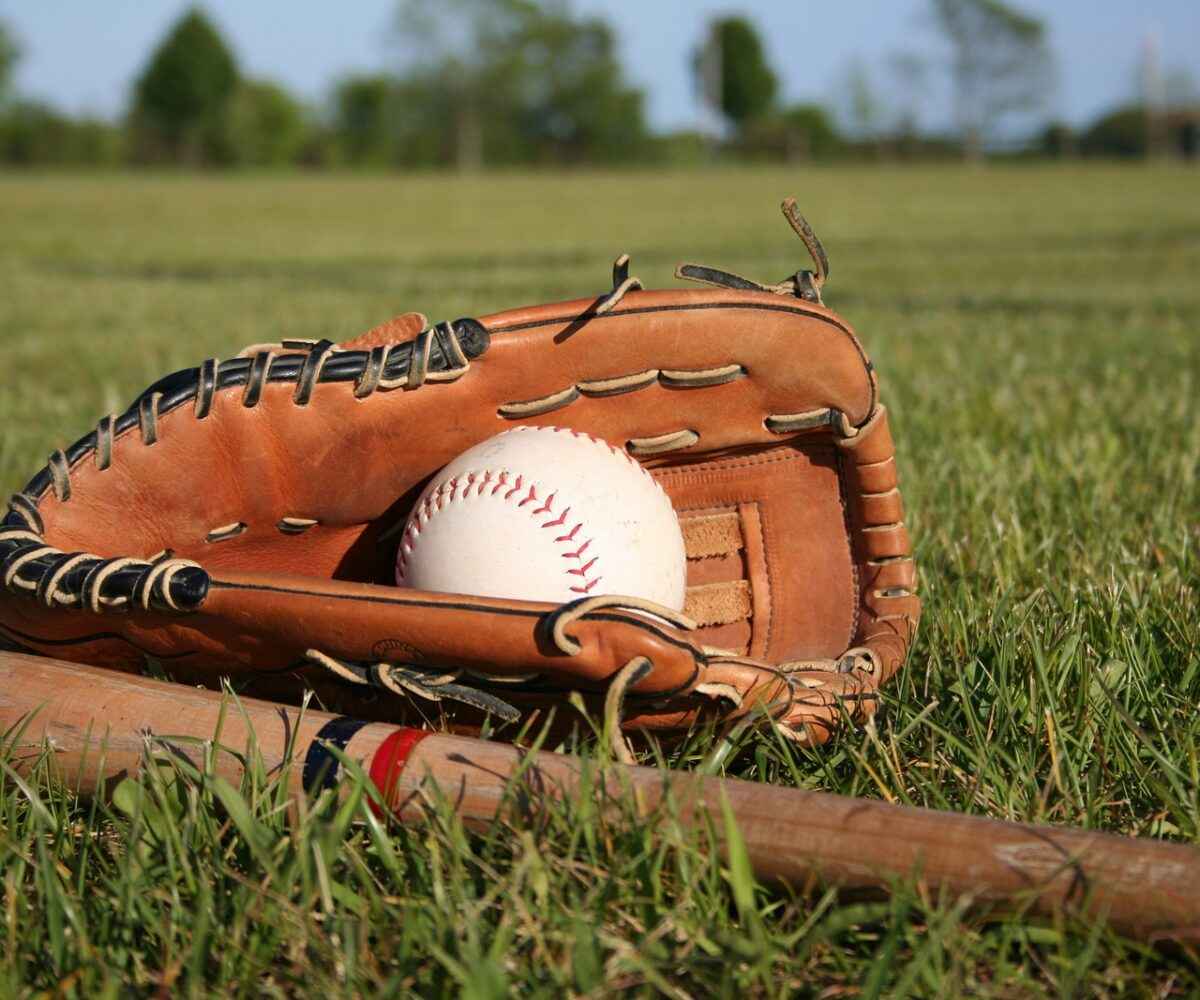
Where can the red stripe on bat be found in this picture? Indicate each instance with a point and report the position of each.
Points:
(388, 763)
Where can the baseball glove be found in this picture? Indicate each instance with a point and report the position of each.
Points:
(241, 517)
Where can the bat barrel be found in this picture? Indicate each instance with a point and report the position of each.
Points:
(95, 723)
(809, 838)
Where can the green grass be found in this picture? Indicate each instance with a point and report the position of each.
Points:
(1037, 332)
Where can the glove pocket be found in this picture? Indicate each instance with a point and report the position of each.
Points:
(771, 572)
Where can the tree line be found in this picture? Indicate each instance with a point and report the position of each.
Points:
(527, 82)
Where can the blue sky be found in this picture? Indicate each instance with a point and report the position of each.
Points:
(83, 56)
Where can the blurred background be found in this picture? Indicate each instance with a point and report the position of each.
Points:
(1009, 191)
(469, 84)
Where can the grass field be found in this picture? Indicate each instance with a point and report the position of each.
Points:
(1037, 333)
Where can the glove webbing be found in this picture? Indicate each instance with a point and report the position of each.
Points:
(31, 567)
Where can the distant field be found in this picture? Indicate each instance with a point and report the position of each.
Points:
(1037, 334)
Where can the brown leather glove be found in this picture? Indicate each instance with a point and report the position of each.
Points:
(242, 517)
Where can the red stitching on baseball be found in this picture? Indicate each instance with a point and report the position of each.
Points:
(448, 492)
(579, 551)
(583, 570)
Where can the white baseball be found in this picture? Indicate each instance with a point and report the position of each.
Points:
(544, 514)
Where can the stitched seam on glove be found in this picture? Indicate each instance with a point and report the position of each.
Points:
(847, 520)
(780, 453)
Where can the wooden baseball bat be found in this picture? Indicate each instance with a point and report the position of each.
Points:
(95, 723)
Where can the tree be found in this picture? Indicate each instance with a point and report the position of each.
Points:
(183, 94)
(1119, 133)
(10, 54)
(33, 134)
(794, 134)
(265, 126)
(1000, 64)
(363, 119)
(507, 81)
(820, 137)
(573, 103)
(1057, 140)
(459, 50)
(732, 72)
